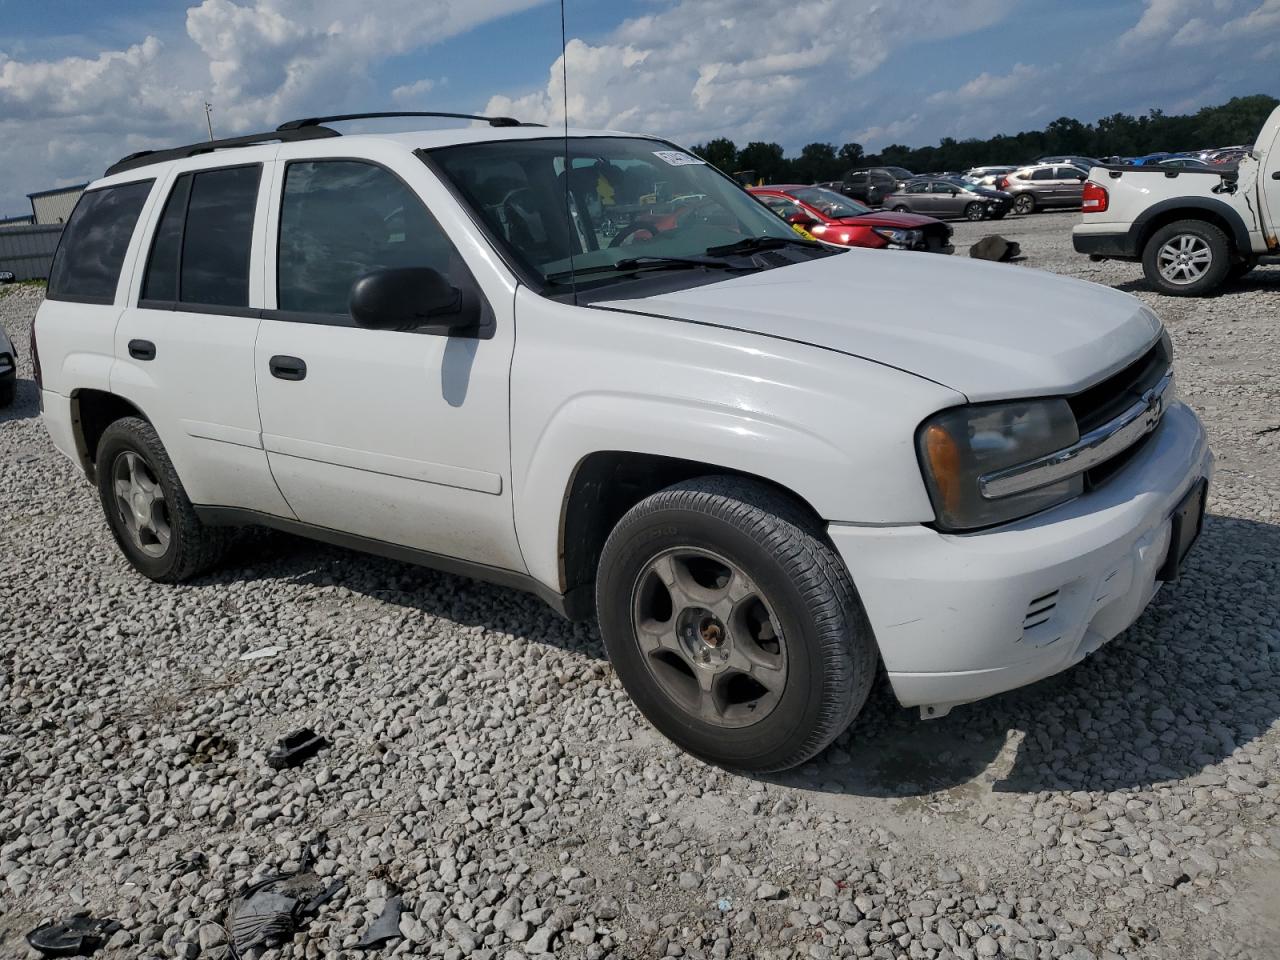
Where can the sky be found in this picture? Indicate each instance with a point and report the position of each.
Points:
(83, 82)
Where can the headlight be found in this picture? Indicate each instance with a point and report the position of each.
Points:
(958, 446)
(897, 235)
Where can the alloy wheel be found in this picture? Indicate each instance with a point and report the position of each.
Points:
(140, 504)
(1184, 259)
(1024, 204)
(709, 637)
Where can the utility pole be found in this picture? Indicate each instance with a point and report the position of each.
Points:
(208, 108)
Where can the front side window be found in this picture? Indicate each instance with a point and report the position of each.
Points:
(94, 242)
(200, 253)
(342, 219)
(620, 199)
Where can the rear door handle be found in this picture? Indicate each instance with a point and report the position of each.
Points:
(288, 368)
(142, 349)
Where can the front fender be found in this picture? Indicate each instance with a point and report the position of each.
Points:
(835, 430)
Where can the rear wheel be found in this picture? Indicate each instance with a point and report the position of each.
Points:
(733, 625)
(1024, 203)
(148, 510)
(1189, 258)
(975, 212)
(902, 208)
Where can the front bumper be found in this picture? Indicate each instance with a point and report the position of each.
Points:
(962, 617)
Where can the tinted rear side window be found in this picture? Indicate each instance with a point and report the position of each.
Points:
(94, 241)
(200, 254)
(218, 235)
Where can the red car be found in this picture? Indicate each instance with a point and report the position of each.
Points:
(834, 218)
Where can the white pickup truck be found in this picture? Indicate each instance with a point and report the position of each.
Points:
(1192, 229)
(592, 366)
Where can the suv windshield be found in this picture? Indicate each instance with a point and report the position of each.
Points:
(628, 199)
(829, 203)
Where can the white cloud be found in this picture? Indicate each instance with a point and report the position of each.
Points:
(411, 93)
(986, 86)
(258, 61)
(747, 70)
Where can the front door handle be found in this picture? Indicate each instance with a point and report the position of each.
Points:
(142, 349)
(288, 368)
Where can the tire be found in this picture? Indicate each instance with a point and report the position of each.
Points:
(902, 208)
(1187, 258)
(8, 390)
(975, 212)
(171, 545)
(783, 604)
(1024, 203)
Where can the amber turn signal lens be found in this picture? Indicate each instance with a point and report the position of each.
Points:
(944, 459)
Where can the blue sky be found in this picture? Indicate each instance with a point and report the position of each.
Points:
(84, 83)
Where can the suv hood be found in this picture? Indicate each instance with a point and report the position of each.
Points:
(988, 330)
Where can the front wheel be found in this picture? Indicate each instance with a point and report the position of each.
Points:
(1188, 258)
(147, 508)
(902, 208)
(975, 212)
(1024, 204)
(733, 625)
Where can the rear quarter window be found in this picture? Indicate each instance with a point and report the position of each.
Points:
(86, 267)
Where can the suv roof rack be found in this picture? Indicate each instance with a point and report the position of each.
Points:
(146, 157)
(308, 128)
(316, 121)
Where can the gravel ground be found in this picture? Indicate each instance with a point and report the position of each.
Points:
(486, 762)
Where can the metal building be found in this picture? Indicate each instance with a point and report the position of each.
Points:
(25, 220)
(54, 206)
(28, 251)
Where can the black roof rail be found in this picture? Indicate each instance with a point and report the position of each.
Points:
(146, 157)
(314, 121)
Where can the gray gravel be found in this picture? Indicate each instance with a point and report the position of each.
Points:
(486, 762)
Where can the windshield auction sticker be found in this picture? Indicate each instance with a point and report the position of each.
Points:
(677, 158)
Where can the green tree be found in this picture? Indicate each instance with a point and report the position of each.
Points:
(817, 161)
(851, 155)
(720, 152)
(766, 159)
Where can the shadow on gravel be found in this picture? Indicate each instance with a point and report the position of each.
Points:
(26, 404)
(262, 554)
(1265, 279)
(1196, 677)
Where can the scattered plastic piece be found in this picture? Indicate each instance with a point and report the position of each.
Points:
(276, 906)
(725, 905)
(295, 748)
(385, 927)
(260, 654)
(995, 247)
(73, 937)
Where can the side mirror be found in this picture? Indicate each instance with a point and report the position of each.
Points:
(408, 298)
(955, 192)
(801, 220)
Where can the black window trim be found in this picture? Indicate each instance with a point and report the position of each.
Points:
(488, 320)
(79, 298)
(180, 306)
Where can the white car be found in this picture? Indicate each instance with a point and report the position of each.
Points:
(764, 465)
(1192, 228)
(8, 369)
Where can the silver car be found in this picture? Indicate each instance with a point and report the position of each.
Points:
(1043, 186)
(936, 197)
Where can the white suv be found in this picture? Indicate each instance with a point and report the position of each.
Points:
(764, 465)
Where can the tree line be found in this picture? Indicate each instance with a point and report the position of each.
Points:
(1235, 122)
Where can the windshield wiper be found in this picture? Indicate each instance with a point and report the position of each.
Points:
(636, 264)
(752, 244)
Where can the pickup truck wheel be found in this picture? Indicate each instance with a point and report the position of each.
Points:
(975, 212)
(1188, 258)
(147, 508)
(1024, 203)
(733, 625)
